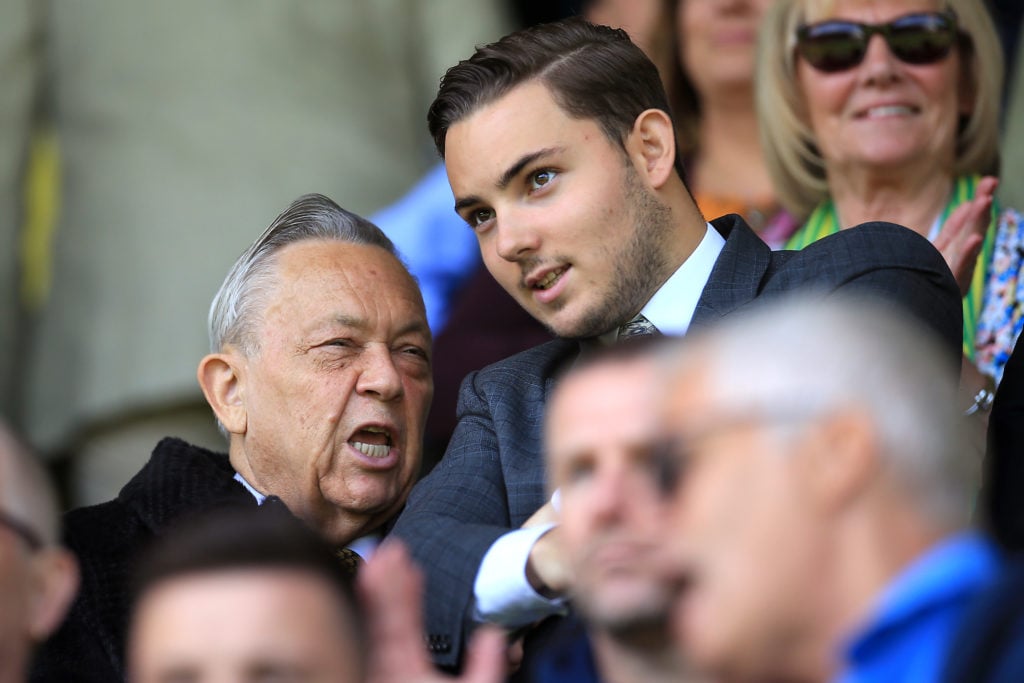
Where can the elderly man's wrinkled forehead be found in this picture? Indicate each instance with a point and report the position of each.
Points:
(280, 273)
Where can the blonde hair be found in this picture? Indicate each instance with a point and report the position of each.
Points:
(788, 142)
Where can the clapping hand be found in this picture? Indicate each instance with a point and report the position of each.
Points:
(963, 233)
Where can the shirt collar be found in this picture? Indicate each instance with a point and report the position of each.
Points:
(672, 307)
(953, 568)
(256, 494)
(364, 546)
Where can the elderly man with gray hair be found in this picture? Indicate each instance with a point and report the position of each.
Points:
(319, 374)
(821, 497)
(38, 577)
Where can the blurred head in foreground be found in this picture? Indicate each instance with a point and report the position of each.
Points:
(237, 596)
(38, 578)
(813, 452)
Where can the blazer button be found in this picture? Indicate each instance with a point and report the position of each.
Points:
(438, 643)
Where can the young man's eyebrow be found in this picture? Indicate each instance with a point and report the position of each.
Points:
(510, 173)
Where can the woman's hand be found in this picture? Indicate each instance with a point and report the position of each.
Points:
(963, 233)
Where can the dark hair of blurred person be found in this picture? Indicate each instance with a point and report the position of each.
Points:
(234, 593)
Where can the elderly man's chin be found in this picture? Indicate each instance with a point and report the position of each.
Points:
(376, 495)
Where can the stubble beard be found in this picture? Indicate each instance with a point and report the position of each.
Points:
(637, 271)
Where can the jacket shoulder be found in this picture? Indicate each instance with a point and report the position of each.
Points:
(537, 362)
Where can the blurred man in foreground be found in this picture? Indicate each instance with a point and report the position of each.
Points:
(38, 578)
(244, 596)
(821, 503)
(601, 437)
(241, 595)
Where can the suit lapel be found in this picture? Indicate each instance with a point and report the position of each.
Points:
(566, 351)
(738, 273)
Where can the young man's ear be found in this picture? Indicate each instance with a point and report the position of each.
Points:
(652, 144)
(222, 378)
(55, 583)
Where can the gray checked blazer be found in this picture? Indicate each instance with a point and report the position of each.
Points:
(491, 478)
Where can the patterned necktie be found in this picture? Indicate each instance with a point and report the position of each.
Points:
(637, 327)
(349, 559)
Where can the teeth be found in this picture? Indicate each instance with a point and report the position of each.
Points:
(370, 449)
(890, 110)
(550, 279)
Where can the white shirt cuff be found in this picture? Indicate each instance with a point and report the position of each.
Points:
(503, 594)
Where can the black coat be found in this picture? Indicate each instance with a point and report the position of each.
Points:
(1003, 492)
(179, 480)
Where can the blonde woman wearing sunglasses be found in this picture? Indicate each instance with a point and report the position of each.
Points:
(888, 110)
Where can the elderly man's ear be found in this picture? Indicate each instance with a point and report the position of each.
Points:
(54, 585)
(222, 378)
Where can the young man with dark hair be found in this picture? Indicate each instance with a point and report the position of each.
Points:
(561, 153)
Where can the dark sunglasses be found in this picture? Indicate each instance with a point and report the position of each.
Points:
(837, 45)
(21, 530)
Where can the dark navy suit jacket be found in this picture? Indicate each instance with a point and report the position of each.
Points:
(491, 478)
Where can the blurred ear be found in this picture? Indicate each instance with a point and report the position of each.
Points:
(222, 378)
(55, 583)
(652, 145)
(841, 459)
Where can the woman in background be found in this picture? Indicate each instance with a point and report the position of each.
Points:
(716, 117)
(889, 110)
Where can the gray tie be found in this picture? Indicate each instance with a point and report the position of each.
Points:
(637, 327)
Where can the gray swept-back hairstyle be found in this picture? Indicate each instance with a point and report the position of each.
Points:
(818, 356)
(244, 290)
(791, 153)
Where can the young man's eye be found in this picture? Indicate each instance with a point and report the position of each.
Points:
(480, 216)
(542, 178)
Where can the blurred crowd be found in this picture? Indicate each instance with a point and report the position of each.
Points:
(598, 340)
